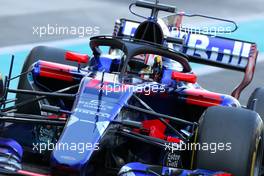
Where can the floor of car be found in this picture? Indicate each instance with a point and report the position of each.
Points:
(36, 163)
(38, 168)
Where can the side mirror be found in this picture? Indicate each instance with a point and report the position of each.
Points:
(187, 77)
(76, 57)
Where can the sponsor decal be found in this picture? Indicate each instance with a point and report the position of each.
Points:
(95, 104)
(90, 112)
(217, 49)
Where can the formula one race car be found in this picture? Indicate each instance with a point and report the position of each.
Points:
(134, 107)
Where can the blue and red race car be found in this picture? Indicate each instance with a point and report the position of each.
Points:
(133, 108)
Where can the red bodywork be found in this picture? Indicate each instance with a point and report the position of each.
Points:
(56, 71)
(76, 57)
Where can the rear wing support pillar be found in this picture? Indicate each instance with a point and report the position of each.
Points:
(249, 72)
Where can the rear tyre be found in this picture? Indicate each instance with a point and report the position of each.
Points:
(257, 95)
(235, 139)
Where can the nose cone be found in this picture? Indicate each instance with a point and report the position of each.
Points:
(78, 142)
(93, 111)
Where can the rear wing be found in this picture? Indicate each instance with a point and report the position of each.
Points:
(205, 49)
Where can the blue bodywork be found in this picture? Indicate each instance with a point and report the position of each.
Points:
(94, 110)
(140, 169)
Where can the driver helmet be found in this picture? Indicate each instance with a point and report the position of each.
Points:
(146, 65)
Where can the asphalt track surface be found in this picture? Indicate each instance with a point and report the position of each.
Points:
(18, 17)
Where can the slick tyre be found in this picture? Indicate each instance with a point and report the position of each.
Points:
(256, 100)
(234, 139)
